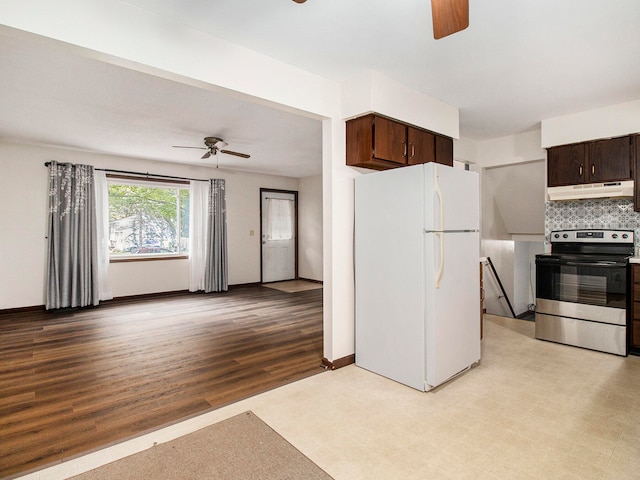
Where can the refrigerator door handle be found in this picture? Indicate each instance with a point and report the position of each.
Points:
(441, 267)
(440, 196)
(440, 234)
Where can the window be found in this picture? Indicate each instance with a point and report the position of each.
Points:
(279, 219)
(148, 218)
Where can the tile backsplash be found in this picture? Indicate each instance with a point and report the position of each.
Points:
(594, 213)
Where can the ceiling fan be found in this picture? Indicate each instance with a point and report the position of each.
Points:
(449, 16)
(213, 145)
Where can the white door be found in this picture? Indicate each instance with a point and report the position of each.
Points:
(278, 236)
(451, 304)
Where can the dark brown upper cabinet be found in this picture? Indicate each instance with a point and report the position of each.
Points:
(566, 165)
(421, 146)
(600, 161)
(389, 141)
(380, 143)
(444, 150)
(610, 160)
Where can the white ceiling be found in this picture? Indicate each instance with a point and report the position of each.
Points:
(51, 95)
(518, 63)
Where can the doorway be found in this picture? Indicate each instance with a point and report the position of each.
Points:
(279, 235)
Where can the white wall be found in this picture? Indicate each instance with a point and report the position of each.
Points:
(310, 228)
(513, 200)
(611, 121)
(337, 240)
(24, 184)
(23, 224)
(373, 92)
(465, 150)
(524, 147)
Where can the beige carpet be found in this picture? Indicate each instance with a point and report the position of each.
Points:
(293, 286)
(239, 448)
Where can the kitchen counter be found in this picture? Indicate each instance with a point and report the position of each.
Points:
(634, 260)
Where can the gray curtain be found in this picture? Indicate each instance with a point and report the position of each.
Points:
(216, 271)
(72, 273)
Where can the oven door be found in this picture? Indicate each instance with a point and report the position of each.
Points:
(581, 301)
(583, 279)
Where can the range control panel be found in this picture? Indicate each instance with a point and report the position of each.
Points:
(592, 236)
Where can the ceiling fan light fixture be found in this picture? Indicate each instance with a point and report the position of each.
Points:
(449, 16)
(214, 142)
(213, 145)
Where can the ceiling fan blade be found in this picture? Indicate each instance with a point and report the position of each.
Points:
(206, 155)
(237, 154)
(449, 16)
(184, 146)
(299, 1)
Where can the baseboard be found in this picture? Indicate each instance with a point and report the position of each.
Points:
(172, 293)
(243, 285)
(125, 298)
(340, 362)
(22, 310)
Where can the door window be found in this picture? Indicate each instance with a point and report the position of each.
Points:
(279, 224)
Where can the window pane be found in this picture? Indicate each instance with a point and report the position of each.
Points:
(184, 220)
(279, 219)
(147, 220)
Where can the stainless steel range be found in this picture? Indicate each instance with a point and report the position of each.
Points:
(581, 289)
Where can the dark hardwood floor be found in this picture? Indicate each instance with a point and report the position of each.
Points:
(72, 382)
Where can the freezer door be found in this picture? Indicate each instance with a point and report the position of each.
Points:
(455, 205)
(452, 314)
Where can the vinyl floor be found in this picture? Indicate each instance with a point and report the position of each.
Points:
(76, 381)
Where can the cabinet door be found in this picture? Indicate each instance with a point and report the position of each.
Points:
(360, 141)
(566, 165)
(634, 325)
(610, 160)
(444, 150)
(422, 148)
(390, 140)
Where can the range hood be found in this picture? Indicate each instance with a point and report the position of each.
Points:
(591, 190)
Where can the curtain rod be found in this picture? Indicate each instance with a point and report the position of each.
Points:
(147, 174)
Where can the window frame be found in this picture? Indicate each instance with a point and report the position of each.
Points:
(120, 179)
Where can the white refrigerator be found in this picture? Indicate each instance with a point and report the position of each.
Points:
(417, 280)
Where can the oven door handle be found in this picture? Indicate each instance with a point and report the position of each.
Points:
(586, 263)
(602, 264)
